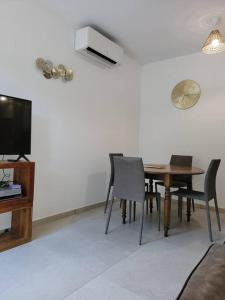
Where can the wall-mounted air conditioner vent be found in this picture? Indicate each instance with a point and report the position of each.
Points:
(97, 47)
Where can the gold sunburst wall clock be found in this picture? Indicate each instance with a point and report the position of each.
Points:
(185, 94)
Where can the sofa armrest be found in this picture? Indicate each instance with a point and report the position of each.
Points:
(207, 280)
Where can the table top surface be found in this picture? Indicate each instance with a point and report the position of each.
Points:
(170, 169)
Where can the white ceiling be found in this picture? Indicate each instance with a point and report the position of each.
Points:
(149, 30)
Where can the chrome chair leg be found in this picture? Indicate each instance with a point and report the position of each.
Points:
(109, 216)
(107, 198)
(141, 223)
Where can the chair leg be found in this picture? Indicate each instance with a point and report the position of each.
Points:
(158, 199)
(150, 205)
(130, 208)
(109, 216)
(193, 204)
(107, 198)
(180, 199)
(157, 205)
(156, 191)
(209, 221)
(141, 222)
(178, 208)
(146, 206)
(134, 211)
(150, 199)
(217, 213)
(124, 210)
(147, 189)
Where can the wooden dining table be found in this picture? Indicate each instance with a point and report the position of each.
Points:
(166, 173)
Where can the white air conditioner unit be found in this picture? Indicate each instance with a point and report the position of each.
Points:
(97, 47)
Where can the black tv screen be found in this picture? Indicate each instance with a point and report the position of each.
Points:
(15, 126)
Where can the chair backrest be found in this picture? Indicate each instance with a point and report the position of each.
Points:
(129, 181)
(210, 178)
(182, 161)
(111, 158)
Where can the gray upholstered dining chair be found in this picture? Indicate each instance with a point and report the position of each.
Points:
(111, 180)
(179, 180)
(129, 184)
(208, 194)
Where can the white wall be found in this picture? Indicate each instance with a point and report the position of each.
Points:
(76, 124)
(198, 131)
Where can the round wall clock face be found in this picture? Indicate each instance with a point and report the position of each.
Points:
(185, 94)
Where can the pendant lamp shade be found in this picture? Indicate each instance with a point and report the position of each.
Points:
(215, 43)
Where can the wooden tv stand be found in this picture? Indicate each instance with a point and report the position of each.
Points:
(20, 206)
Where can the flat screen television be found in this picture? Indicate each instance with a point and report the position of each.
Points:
(15, 126)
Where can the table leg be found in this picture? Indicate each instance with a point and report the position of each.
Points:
(189, 205)
(188, 209)
(167, 208)
(124, 210)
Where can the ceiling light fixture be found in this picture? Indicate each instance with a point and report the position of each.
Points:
(3, 98)
(215, 42)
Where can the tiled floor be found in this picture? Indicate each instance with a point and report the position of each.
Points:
(73, 259)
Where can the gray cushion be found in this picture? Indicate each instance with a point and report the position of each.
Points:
(189, 193)
(207, 280)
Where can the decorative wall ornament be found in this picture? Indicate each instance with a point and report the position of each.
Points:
(50, 71)
(185, 94)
